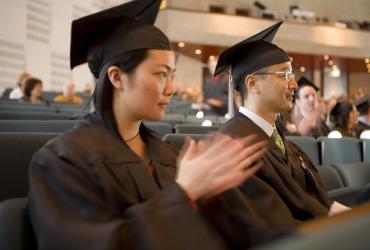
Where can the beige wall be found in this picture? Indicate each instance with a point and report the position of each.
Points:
(188, 71)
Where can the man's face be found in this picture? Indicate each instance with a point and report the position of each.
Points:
(276, 89)
(307, 98)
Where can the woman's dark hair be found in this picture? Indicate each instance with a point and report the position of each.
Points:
(103, 92)
(341, 114)
(30, 85)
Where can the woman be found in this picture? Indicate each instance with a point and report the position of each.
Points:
(33, 91)
(345, 117)
(111, 184)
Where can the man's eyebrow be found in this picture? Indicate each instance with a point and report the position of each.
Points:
(169, 68)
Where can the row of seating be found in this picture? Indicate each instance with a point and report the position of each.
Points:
(62, 125)
(17, 149)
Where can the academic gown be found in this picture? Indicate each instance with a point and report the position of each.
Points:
(285, 192)
(88, 190)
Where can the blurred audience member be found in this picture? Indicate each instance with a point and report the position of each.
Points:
(68, 95)
(33, 91)
(215, 90)
(345, 117)
(18, 92)
(363, 107)
(330, 104)
(88, 88)
(306, 117)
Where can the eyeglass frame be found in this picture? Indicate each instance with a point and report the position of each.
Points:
(287, 75)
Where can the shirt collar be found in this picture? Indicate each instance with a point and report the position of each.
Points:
(258, 120)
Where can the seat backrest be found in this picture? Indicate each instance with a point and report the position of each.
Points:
(160, 128)
(45, 126)
(330, 177)
(178, 140)
(16, 151)
(194, 129)
(309, 145)
(365, 150)
(15, 227)
(192, 119)
(8, 115)
(354, 174)
(341, 150)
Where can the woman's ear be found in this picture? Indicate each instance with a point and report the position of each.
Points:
(117, 77)
(251, 84)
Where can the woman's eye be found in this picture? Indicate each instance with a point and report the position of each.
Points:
(163, 74)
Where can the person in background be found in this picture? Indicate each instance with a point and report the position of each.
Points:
(306, 117)
(345, 117)
(215, 90)
(18, 92)
(363, 107)
(68, 95)
(33, 91)
(110, 183)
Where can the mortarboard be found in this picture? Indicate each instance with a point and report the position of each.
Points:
(99, 37)
(249, 56)
(303, 81)
(363, 105)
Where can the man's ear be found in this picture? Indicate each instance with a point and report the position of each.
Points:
(117, 77)
(251, 84)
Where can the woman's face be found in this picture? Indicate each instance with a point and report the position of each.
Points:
(150, 86)
(36, 92)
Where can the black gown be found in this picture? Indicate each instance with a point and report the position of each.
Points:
(88, 190)
(285, 192)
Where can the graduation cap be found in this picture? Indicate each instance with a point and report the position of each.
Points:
(363, 105)
(99, 37)
(249, 56)
(303, 81)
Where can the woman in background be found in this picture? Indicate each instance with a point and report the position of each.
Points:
(345, 116)
(33, 91)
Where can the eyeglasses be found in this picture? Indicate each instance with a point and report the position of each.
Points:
(288, 76)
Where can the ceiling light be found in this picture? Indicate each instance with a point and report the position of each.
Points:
(198, 51)
(181, 44)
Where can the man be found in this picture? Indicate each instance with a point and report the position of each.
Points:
(306, 117)
(288, 189)
(68, 95)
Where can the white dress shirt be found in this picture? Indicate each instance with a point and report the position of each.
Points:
(258, 120)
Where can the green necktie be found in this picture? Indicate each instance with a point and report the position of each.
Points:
(278, 141)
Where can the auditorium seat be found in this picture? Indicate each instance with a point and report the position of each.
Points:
(16, 231)
(45, 126)
(354, 174)
(192, 119)
(309, 145)
(338, 151)
(336, 189)
(178, 140)
(16, 151)
(160, 128)
(365, 143)
(194, 129)
(5, 115)
(340, 232)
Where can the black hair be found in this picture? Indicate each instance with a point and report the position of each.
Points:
(342, 115)
(30, 85)
(103, 92)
